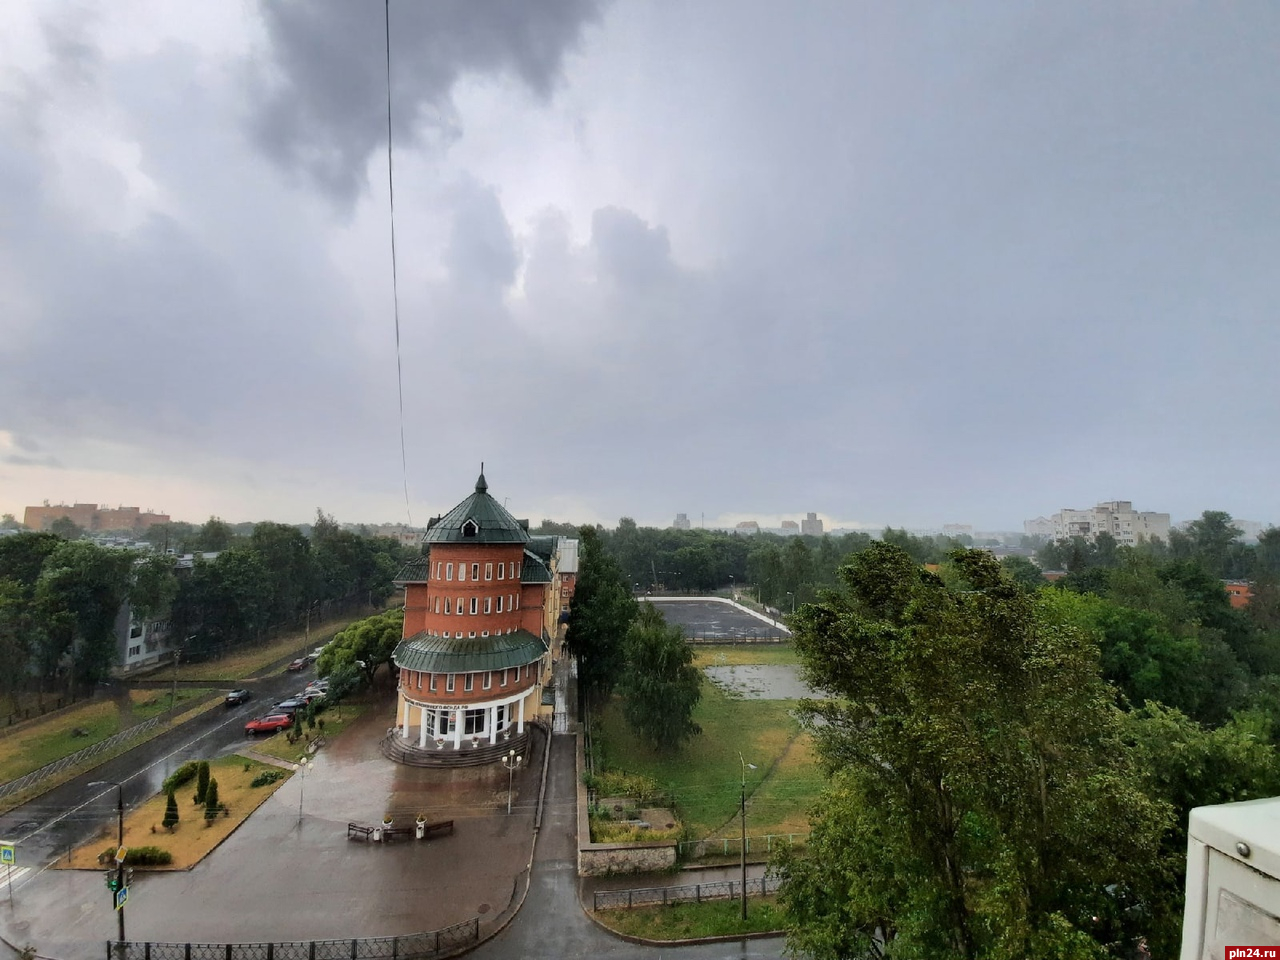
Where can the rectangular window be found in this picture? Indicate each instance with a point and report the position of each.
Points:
(500, 716)
(448, 571)
(502, 568)
(437, 604)
(429, 721)
(513, 570)
(488, 679)
(517, 601)
(474, 605)
(432, 684)
(445, 725)
(502, 680)
(462, 572)
(467, 683)
(448, 606)
(438, 565)
(475, 571)
(448, 683)
(499, 603)
(474, 722)
(488, 604)
(488, 571)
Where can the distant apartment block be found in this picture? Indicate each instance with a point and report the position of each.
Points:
(403, 534)
(1039, 527)
(89, 516)
(1239, 592)
(790, 528)
(811, 526)
(748, 526)
(957, 530)
(681, 522)
(1116, 517)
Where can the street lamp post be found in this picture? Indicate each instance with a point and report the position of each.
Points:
(119, 848)
(305, 766)
(511, 761)
(793, 601)
(744, 832)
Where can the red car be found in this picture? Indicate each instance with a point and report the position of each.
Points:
(297, 665)
(272, 723)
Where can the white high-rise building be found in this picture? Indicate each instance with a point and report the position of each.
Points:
(811, 525)
(1116, 517)
(681, 522)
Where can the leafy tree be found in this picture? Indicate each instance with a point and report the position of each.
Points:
(79, 594)
(599, 615)
(290, 566)
(202, 781)
(9, 522)
(211, 800)
(981, 803)
(370, 642)
(1186, 765)
(1023, 571)
(66, 529)
(661, 686)
(214, 535)
(170, 812)
(1212, 538)
(154, 587)
(344, 680)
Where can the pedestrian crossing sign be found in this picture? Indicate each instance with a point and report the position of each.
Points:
(7, 854)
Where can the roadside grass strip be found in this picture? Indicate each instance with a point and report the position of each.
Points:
(149, 703)
(193, 838)
(705, 775)
(57, 737)
(685, 921)
(278, 746)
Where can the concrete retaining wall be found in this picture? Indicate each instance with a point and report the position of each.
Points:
(603, 859)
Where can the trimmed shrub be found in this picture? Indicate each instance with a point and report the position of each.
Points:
(202, 782)
(148, 857)
(181, 777)
(211, 800)
(170, 812)
(267, 777)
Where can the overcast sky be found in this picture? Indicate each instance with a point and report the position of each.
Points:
(893, 263)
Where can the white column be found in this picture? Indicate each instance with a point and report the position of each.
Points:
(457, 728)
(405, 722)
(492, 719)
(422, 729)
(520, 718)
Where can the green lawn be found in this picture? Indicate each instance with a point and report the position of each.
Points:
(706, 775)
(723, 655)
(279, 746)
(682, 921)
(148, 703)
(57, 737)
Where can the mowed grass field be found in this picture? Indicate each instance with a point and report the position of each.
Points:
(56, 737)
(705, 775)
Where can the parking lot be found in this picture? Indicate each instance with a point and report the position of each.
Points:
(718, 620)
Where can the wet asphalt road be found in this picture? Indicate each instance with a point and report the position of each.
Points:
(714, 620)
(70, 814)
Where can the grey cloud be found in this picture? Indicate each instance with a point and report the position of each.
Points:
(20, 461)
(482, 252)
(323, 109)
(630, 251)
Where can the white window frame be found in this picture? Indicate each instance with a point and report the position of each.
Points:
(475, 570)
(475, 605)
(468, 682)
(500, 599)
(502, 680)
(502, 569)
(432, 685)
(488, 680)
(462, 573)
(448, 683)
(488, 604)
(488, 571)
(448, 571)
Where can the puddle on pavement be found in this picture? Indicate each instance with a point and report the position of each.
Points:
(760, 681)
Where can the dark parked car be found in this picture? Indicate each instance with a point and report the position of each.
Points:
(297, 665)
(290, 706)
(272, 723)
(237, 697)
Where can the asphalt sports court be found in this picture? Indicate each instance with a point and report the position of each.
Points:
(717, 621)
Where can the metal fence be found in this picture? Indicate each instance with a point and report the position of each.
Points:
(688, 893)
(726, 846)
(433, 943)
(75, 759)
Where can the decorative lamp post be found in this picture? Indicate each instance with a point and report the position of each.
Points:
(744, 832)
(119, 853)
(511, 761)
(305, 766)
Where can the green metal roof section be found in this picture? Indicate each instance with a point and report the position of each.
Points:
(544, 547)
(534, 570)
(477, 519)
(429, 654)
(415, 571)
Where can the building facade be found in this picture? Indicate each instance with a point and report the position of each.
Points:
(482, 608)
(681, 522)
(1116, 517)
(89, 516)
(811, 525)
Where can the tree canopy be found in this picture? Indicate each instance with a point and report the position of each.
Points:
(660, 685)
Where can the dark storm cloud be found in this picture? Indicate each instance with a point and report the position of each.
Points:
(323, 109)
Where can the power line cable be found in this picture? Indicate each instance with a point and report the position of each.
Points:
(395, 286)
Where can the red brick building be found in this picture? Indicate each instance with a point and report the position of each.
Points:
(477, 635)
(89, 516)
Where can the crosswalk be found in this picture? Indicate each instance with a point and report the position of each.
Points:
(10, 875)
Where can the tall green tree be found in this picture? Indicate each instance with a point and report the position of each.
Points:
(599, 615)
(982, 805)
(170, 812)
(370, 641)
(216, 534)
(81, 590)
(660, 685)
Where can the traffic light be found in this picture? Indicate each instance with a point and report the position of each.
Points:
(113, 881)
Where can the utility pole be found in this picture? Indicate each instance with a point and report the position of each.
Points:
(744, 832)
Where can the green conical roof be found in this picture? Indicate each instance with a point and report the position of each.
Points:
(477, 519)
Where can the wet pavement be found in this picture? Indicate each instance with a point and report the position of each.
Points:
(760, 681)
(718, 620)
